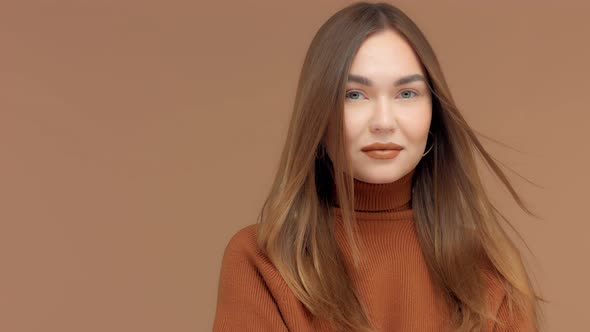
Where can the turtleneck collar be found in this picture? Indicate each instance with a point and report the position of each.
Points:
(381, 200)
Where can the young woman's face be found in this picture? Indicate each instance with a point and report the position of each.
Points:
(387, 101)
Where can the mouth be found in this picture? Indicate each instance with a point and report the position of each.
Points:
(382, 153)
(382, 146)
(365, 150)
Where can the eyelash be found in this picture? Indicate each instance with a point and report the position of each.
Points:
(416, 93)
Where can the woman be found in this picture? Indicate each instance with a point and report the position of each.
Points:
(410, 241)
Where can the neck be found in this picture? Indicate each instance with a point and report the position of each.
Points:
(381, 197)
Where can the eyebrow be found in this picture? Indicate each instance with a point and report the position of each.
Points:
(402, 80)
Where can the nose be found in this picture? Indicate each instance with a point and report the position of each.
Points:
(383, 119)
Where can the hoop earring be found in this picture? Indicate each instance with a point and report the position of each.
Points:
(431, 144)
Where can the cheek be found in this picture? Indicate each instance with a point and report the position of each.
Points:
(417, 131)
(419, 124)
(353, 127)
(416, 126)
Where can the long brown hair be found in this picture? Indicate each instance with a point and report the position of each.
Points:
(457, 225)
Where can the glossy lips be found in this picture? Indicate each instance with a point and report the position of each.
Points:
(382, 150)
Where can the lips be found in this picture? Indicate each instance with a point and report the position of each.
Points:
(382, 146)
(382, 154)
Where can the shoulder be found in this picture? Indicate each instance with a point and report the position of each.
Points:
(242, 249)
(244, 262)
(243, 240)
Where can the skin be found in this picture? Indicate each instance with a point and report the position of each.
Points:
(384, 112)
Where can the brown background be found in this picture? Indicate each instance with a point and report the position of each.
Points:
(137, 136)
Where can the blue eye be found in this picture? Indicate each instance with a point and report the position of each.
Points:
(408, 91)
(351, 92)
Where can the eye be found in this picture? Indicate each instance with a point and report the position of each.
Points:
(353, 93)
(405, 93)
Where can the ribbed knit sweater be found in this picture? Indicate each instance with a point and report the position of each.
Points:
(393, 279)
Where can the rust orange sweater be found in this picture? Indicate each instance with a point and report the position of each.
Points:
(393, 280)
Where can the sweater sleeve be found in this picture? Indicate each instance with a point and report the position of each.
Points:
(513, 322)
(244, 301)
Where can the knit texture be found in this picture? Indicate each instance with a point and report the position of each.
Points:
(393, 279)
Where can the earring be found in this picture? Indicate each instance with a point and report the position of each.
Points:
(431, 144)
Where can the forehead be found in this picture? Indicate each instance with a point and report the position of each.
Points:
(385, 54)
